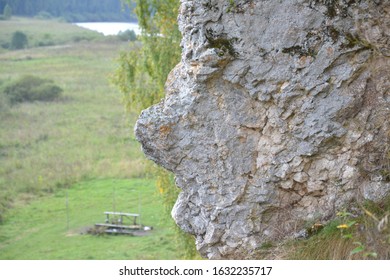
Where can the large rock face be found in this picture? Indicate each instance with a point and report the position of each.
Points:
(277, 116)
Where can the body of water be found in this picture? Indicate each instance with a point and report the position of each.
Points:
(110, 28)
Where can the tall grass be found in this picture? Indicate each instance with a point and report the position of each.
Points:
(362, 234)
(44, 146)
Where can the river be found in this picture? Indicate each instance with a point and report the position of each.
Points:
(110, 28)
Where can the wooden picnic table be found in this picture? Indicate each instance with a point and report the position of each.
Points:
(121, 216)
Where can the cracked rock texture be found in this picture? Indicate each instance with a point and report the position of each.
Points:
(277, 116)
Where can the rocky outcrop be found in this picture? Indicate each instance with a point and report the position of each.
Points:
(276, 117)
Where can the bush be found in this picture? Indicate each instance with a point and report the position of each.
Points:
(128, 35)
(19, 40)
(30, 88)
(5, 45)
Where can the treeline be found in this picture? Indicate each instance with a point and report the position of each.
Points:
(72, 10)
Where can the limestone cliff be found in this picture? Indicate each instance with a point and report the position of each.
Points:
(277, 115)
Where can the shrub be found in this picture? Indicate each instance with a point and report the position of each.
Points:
(31, 88)
(46, 92)
(128, 35)
(19, 40)
(5, 45)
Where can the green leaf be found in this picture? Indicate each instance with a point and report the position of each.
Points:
(371, 254)
(351, 223)
(358, 249)
(347, 236)
(344, 214)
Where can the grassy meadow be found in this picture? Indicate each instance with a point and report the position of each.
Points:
(48, 229)
(44, 33)
(79, 148)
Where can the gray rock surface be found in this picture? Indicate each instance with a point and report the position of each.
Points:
(277, 116)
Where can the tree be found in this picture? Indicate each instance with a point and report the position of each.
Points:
(142, 74)
(128, 35)
(7, 12)
(19, 40)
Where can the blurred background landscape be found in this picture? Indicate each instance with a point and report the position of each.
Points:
(67, 149)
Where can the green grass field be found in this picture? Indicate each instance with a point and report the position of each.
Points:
(44, 33)
(82, 143)
(48, 229)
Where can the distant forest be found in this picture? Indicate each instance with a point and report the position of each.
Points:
(72, 10)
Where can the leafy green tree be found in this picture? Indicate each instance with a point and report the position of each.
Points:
(142, 74)
(7, 12)
(19, 40)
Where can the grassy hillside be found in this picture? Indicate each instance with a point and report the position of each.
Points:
(84, 135)
(82, 142)
(43, 32)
